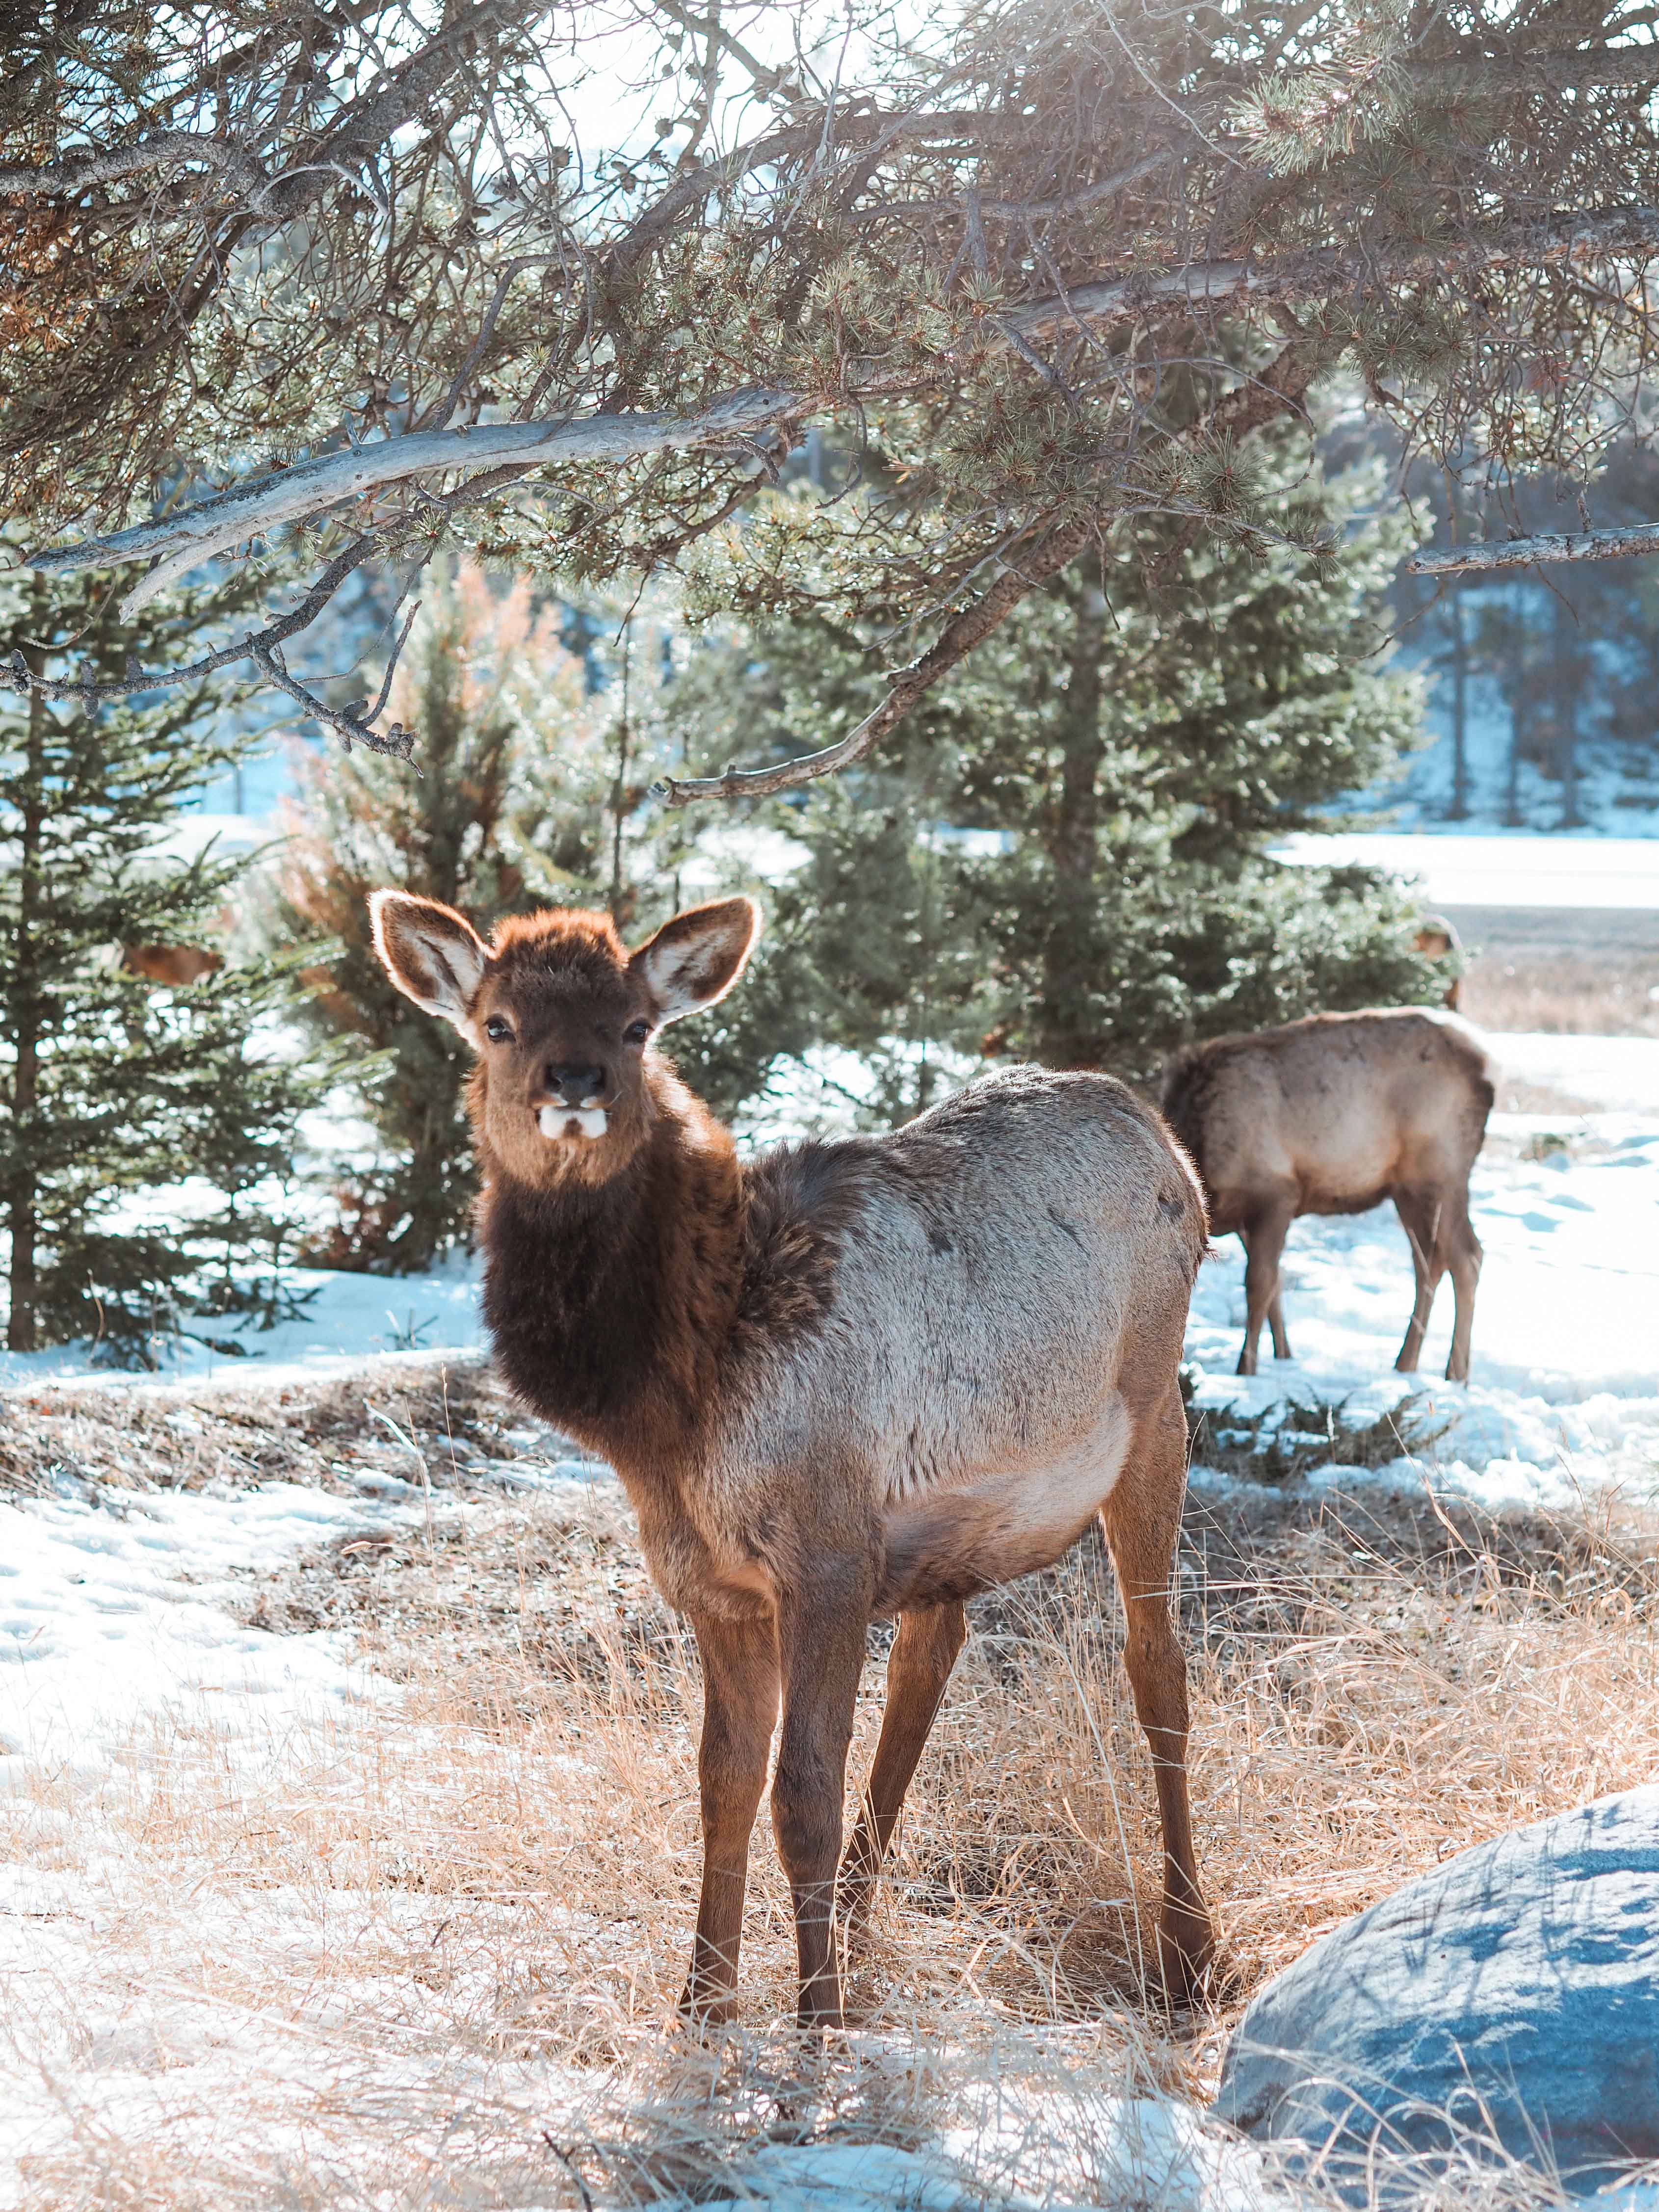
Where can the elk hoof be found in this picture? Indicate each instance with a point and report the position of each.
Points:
(1186, 1950)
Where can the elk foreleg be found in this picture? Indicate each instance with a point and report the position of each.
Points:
(739, 1711)
(918, 1667)
(1264, 1242)
(821, 1631)
(1142, 1520)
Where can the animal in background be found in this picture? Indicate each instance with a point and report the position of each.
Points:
(1437, 939)
(1332, 1115)
(173, 965)
(840, 1381)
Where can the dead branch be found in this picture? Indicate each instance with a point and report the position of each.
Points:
(1552, 546)
(185, 540)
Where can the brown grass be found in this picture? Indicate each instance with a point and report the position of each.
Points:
(1614, 995)
(425, 1952)
(332, 1434)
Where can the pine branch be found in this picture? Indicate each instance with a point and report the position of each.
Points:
(1281, 386)
(310, 488)
(959, 636)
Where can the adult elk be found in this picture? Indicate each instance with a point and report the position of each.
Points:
(840, 1381)
(1332, 1115)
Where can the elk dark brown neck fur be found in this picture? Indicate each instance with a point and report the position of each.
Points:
(848, 1379)
(611, 1304)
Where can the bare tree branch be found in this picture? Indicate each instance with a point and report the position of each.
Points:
(186, 539)
(66, 180)
(1521, 552)
(1027, 210)
(1609, 234)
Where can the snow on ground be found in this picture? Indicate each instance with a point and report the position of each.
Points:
(351, 1318)
(1617, 794)
(1515, 868)
(1564, 1389)
(125, 1670)
(113, 1605)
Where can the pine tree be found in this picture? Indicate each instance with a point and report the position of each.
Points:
(111, 1088)
(1066, 860)
(540, 734)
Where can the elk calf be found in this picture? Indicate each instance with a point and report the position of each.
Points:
(839, 1382)
(1332, 1115)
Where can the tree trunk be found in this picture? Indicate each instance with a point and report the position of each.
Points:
(1065, 1037)
(1566, 715)
(620, 902)
(23, 1021)
(1458, 811)
(1519, 699)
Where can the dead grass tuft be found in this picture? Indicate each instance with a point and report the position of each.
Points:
(425, 1951)
(1287, 1441)
(338, 1436)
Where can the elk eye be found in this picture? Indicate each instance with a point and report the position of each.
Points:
(497, 1030)
(636, 1032)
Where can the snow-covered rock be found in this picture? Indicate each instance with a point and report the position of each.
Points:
(1510, 1999)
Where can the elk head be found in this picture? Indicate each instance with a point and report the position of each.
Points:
(563, 1018)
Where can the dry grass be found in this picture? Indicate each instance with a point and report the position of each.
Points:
(425, 1952)
(331, 1434)
(1614, 994)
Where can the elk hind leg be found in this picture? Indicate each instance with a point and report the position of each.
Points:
(1465, 1256)
(918, 1667)
(739, 1711)
(1276, 1323)
(1422, 1217)
(1142, 1520)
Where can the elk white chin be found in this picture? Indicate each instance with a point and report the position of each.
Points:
(556, 1121)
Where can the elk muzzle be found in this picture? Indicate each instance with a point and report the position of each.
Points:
(574, 1104)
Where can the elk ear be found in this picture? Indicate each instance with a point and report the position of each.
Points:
(696, 959)
(433, 954)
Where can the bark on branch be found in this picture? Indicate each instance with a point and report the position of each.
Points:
(185, 540)
(1606, 234)
(1550, 545)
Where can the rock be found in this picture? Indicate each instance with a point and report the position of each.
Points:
(1508, 2001)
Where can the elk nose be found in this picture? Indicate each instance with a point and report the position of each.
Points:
(575, 1085)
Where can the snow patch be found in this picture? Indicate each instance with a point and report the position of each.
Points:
(119, 1608)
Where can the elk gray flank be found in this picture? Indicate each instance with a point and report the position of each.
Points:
(838, 1382)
